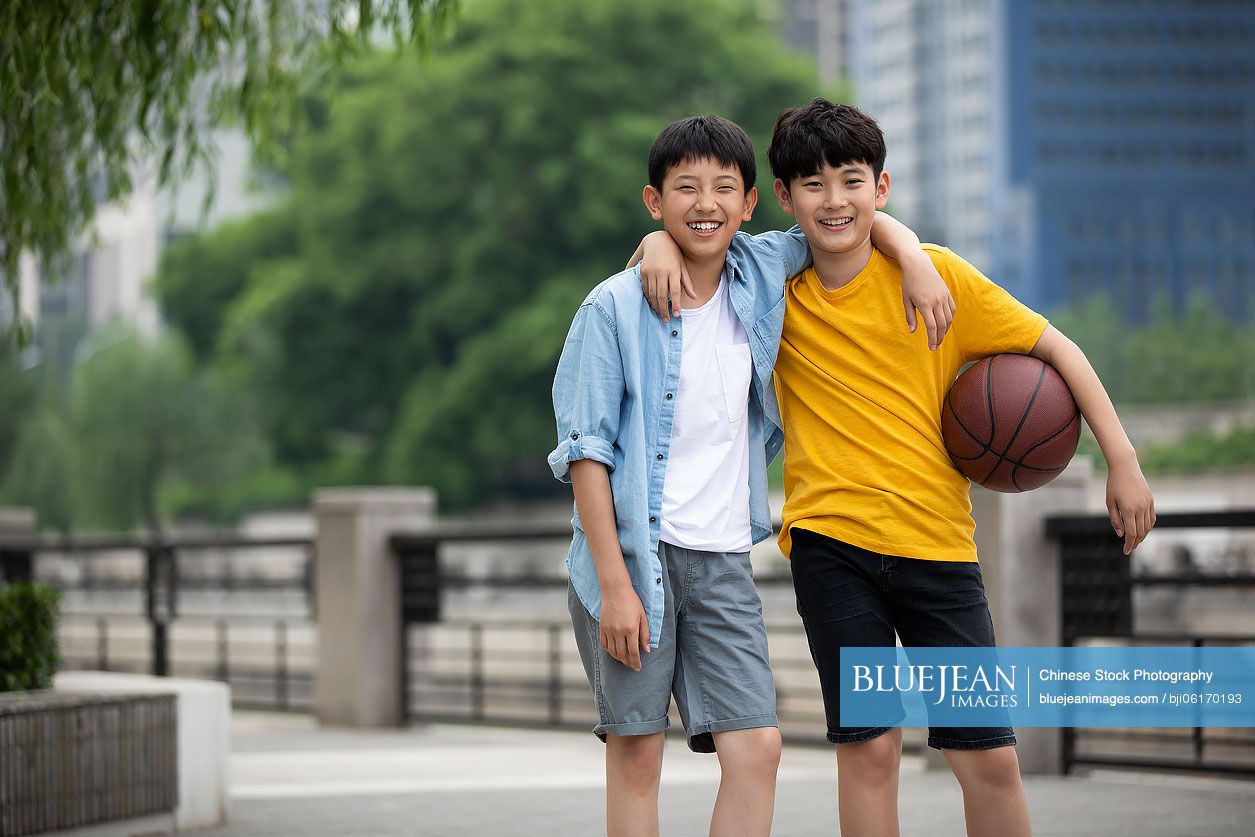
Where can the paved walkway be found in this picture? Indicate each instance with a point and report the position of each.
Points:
(291, 778)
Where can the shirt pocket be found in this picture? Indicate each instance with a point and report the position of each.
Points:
(734, 373)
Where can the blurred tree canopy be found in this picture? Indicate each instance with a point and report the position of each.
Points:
(399, 316)
(1200, 355)
(91, 90)
(141, 437)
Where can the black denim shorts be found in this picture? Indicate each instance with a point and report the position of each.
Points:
(852, 597)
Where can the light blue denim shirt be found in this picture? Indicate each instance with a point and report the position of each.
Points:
(613, 399)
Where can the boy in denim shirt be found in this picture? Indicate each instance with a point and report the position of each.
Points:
(665, 430)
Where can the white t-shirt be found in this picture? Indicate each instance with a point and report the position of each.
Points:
(706, 492)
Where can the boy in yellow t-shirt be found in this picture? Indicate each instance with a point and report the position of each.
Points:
(877, 522)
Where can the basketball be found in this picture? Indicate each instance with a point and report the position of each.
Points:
(1010, 423)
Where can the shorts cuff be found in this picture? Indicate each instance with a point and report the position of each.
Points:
(702, 739)
(848, 735)
(971, 744)
(632, 728)
(858, 736)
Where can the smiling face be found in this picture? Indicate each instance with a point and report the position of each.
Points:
(702, 204)
(835, 207)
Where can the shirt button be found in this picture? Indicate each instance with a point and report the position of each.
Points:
(675, 333)
(653, 519)
(668, 396)
(660, 456)
(575, 434)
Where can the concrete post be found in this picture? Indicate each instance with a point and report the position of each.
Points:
(358, 597)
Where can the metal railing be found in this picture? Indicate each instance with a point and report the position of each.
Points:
(1097, 602)
(221, 646)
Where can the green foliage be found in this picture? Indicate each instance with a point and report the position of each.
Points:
(143, 437)
(1199, 356)
(400, 316)
(28, 636)
(42, 472)
(16, 397)
(1203, 452)
(90, 90)
(201, 275)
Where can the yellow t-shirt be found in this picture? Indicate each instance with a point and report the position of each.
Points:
(861, 397)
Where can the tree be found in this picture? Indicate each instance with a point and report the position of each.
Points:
(89, 90)
(16, 399)
(448, 223)
(142, 437)
(1197, 355)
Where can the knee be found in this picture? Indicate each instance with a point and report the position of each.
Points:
(990, 770)
(751, 754)
(638, 758)
(875, 761)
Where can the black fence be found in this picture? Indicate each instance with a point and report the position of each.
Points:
(1098, 600)
(251, 649)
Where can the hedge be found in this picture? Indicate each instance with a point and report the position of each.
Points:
(28, 635)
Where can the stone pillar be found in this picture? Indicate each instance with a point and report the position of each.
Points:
(357, 584)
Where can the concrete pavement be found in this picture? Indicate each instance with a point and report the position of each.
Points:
(289, 777)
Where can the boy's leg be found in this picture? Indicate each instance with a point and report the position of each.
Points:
(842, 599)
(748, 760)
(633, 771)
(867, 785)
(723, 684)
(993, 795)
(632, 716)
(943, 604)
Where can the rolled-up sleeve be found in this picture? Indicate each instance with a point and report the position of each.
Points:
(587, 392)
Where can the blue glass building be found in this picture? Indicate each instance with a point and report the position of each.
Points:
(1073, 146)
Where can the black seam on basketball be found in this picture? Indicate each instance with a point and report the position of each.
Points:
(1015, 480)
(1002, 457)
(984, 448)
(1053, 436)
(989, 399)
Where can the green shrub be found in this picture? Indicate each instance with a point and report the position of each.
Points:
(28, 635)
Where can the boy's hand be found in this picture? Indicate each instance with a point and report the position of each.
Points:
(1129, 503)
(924, 289)
(663, 274)
(624, 627)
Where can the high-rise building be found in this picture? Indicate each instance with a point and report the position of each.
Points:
(821, 27)
(1072, 146)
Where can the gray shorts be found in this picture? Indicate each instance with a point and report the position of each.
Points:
(712, 655)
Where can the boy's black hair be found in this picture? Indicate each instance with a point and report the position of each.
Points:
(821, 132)
(702, 138)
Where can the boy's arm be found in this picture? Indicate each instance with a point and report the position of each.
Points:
(587, 394)
(624, 625)
(663, 275)
(922, 286)
(1129, 502)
